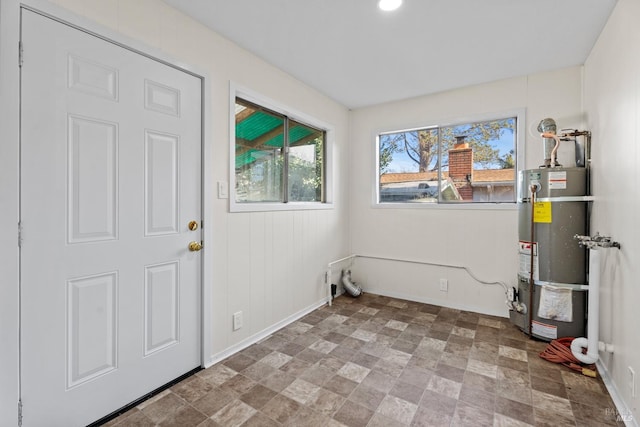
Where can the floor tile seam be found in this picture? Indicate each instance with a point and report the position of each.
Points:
(459, 402)
(479, 406)
(258, 411)
(186, 404)
(199, 411)
(533, 375)
(610, 409)
(346, 401)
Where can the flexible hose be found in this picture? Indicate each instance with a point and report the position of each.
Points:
(559, 351)
(555, 148)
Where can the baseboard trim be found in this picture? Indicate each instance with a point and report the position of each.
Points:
(439, 303)
(220, 356)
(623, 414)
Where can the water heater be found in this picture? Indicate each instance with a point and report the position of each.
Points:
(550, 301)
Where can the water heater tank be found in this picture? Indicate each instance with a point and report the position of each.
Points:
(555, 307)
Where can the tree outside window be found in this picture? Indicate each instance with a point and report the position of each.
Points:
(469, 162)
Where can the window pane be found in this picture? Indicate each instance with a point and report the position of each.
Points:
(408, 166)
(478, 162)
(305, 163)
(472, 162)
(259, 154)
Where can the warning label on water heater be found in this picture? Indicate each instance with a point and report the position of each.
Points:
(557, 180)
(524, 255)
(542, 212)
(544, 330)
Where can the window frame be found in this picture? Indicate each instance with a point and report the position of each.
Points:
(518, 113)
(237, 91)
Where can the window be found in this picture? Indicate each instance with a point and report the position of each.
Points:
(278, 159)
(473, 162)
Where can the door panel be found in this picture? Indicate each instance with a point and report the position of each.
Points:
(91, 335)
(110, 178)
(161, 188)
(161, 306)
(92, 190)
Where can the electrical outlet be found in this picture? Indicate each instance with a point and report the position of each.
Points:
(632, 381)
(444, 285)
(237, 320)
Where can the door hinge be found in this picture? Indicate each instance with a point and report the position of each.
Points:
(20, 54)
(20, 413)
(19, 234)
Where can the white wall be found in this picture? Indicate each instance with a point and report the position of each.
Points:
(612, 104)
(483, 240)
(267, 265)
(270, 266)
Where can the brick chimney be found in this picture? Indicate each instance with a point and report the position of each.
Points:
(461, 167)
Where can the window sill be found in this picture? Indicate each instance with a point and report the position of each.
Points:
(275, 207)
(497, 206)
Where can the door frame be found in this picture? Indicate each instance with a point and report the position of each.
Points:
(10, 184)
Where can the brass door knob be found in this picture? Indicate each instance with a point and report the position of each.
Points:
(195, 246)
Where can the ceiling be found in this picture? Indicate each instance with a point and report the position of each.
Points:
(360, 56)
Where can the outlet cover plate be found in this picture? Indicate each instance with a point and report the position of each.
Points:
(237, 320)
(223, 192)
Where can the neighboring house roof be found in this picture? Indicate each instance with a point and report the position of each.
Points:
(493, 175)
(479, 176)
(389, 178)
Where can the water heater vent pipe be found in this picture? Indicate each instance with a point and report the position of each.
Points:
(548, 127)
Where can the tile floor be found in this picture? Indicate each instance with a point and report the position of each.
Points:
(379, 361)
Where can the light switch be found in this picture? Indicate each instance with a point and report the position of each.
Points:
(223, 193)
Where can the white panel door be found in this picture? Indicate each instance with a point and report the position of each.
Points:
(110, 179)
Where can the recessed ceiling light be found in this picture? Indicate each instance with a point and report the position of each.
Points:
(389, 5)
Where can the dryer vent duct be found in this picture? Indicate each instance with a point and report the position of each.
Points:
(349, 286)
